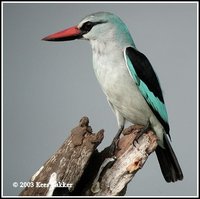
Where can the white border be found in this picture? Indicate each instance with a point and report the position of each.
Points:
(117, 2)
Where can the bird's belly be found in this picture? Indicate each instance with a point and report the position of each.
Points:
(123, 94)
(130, 103)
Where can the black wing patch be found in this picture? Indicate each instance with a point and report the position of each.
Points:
(146, 73)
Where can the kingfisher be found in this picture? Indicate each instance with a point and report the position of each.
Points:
(128, 80)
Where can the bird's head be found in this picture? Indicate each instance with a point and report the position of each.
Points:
(100, 26)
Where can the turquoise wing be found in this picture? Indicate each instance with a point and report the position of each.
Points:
(145, 78)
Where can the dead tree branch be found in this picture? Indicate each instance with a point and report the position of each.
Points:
(78, 169)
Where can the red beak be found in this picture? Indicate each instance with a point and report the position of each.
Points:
(65, 35)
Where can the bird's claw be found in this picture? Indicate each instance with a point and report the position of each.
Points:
(141, 132)
(112, 148)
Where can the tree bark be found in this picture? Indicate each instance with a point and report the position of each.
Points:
(78, 169)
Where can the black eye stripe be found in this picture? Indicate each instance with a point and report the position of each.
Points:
(87, 26)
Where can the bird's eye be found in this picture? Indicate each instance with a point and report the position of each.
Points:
(87, 26)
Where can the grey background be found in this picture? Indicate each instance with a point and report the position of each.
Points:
(48, 87)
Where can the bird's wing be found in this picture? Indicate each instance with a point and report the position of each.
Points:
(145, 78)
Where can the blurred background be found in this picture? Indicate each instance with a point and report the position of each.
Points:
(48, 87)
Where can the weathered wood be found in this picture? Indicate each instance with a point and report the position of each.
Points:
(67, 165)
(86, 172)
(130, 157)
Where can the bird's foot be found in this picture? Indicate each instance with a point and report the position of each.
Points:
(113, 146)
(141, 132)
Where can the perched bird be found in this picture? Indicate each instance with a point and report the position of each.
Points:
(128, 80)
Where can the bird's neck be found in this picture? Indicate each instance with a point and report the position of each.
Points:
(109, 45)
(105, 57)
(108, 49)
(99, 47)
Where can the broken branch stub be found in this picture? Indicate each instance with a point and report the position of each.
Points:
(83, 171)
(67, 165)
(130, 157)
